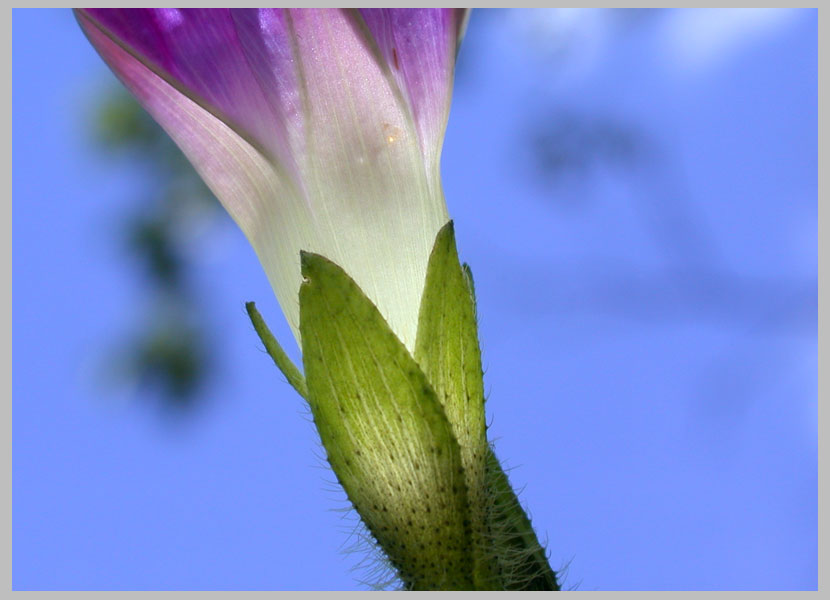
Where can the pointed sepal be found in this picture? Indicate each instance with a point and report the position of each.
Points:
(507, 553)
(275, 351)
(515, 554)
(447, 350)
(385, 432)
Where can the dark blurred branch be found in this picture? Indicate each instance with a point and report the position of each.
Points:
(775, 306)
(170, 351)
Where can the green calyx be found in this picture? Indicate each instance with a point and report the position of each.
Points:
(447, 349)
(406, 435)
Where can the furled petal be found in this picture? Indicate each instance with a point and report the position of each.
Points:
(375, 208)
(247, 183)
(295, 123)
(266, 38)
(419, 45)
(199, 51)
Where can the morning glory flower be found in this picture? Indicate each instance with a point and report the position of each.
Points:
(318, 130)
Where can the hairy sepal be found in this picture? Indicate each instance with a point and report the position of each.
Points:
(507, 552)
(447, 350)
(385, 432)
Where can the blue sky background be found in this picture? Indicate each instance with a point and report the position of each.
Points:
(636, 193)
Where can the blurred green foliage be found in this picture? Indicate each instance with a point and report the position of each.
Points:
(168, 351)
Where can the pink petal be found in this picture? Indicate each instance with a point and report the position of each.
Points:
(241, 177)
(301, 128)
(419, 45)
(201, 52)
